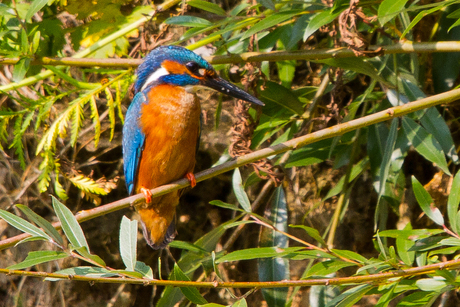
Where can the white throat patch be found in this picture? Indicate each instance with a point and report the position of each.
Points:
(160, 72)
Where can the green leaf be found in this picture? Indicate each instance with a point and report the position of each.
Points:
(207, 6)
(388, 9)
(312, 233)
(269, 4)
(44, 224)
(424, 143)
(385, 168)
(187, 246)
(191, 293)
(257, 253)
(36, 6)
(128, 243)
(357, 169)
(221, 204)
(275, 269)
(419, 298)
(88, 271)
(418, 18)
(320, 20)
(270, 21)
(20, 69)
(23, 225)
(453, 202)
(327, 267)
(70, 225)
(83, 251)
(144, 269)
(238, 189)
(350, 297)
(349, 255)
(403, 245)
(435, 124)
(358, 65)
(34, 258)
(431, 284)
(426, 202)
(188, 21)
(275, 95)
(240, 303)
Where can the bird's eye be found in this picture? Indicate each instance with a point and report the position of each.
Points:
(194, 68)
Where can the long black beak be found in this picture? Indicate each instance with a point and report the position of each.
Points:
(230, 89)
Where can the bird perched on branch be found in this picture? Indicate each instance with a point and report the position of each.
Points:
(162, 131)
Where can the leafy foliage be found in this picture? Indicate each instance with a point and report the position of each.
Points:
(58, 123)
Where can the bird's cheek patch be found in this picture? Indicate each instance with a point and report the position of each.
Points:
(174, 67)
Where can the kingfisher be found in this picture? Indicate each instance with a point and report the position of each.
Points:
(161, 133)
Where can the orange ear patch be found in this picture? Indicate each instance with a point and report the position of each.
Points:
(174, 67)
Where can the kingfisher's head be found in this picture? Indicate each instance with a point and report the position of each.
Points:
(179, 66)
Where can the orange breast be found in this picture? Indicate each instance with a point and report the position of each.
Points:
(171, 123)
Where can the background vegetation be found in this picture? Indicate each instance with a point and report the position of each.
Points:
(342, 191)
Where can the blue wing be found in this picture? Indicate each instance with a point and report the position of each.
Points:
(133, 141)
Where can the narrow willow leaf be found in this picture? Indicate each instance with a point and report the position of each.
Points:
(44, 224)
(70, 225)
(275, 95)
(238, 189)
(312, 233)
(20, 69)
(187, 246)
(34, 258)
(318, 21)
(350, 297)
(435, 124)
(385, 169)
(350, 255)
(88, 271)
(23, 225)
(221, 204)
(276, 268)
(255, 253)
(128, 243)
(424, 143)
(207, 6)
(319, 296)
(431, 284)
(191, 293)
(36, 6)
(418, 18)
(327, 267)
(453, 202)
(270, 21)
(83, 251)
(426, 202)
(388, 9)
(144, 269)
(188, 21)
(240, 303)
(404, 244)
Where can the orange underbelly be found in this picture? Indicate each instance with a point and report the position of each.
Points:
(171, 124)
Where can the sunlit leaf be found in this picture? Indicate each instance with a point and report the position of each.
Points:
(23, 225)
(207, 6)
(453, 202)
(388, 9)
(238, 189)
(70, 225)
(190, 293)
(38, 257)
(44, 224)
(128, 243)
(188, 21)
(270, 21)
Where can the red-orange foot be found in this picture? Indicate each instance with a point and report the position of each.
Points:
(147, 194)
(192, 179)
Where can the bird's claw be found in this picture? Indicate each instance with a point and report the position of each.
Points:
(192, 179)
(147, 194)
